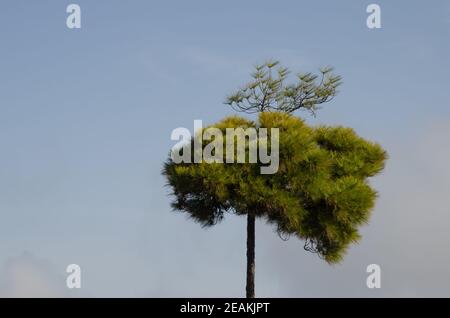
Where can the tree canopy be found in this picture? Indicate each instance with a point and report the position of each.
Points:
(321, 192)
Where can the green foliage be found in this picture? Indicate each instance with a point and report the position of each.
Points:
(268, 90)
(319, 194)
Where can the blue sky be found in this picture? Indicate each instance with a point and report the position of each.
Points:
(85, 123)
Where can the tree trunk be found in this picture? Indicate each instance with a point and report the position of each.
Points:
(250, 289)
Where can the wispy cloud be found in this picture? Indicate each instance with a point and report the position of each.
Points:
(214, 60)
(28, 276)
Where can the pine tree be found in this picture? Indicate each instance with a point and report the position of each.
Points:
(320, 193)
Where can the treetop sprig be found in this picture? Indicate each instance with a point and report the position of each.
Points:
(268, 90)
